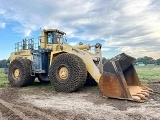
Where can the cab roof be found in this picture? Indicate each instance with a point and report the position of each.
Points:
(54, 30)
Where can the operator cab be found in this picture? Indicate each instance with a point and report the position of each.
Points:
(54, 35)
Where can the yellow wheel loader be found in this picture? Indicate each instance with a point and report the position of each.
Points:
(68, 67)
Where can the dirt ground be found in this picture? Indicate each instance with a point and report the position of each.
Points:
(87, 104)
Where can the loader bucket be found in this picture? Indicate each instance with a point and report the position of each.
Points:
(121, 81)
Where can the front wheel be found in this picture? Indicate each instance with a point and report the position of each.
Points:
(67, 73)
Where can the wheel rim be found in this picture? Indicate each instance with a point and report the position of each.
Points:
(63, 73)
(16, 73)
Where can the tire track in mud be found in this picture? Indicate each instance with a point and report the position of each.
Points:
(19, 112)
(2, 116)
(15, 111)
(37, 112)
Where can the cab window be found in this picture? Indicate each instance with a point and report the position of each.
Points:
(52, 38)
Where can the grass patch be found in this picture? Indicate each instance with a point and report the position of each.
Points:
(39, 88)
(43, 86)
(148, 73)
(3, 79)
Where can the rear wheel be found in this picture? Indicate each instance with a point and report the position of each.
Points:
(19, 73)
(67, 73)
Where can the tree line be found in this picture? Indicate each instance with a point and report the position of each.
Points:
(145, 60)
(148, 60)
(3, 63)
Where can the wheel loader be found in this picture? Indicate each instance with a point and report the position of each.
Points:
(68, 67)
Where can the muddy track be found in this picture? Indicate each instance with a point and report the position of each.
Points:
(15, 113)
(17, 104)
(10, 109)
(18, 112)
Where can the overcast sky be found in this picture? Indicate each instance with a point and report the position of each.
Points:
(130, 26)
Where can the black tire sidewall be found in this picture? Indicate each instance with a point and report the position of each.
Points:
(23, 65)
(16, 64)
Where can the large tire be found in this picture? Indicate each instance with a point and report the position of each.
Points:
(19, 73)
(76, 69)
(90, 81)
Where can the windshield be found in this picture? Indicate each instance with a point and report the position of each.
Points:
(61, 37)
(54, 37)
